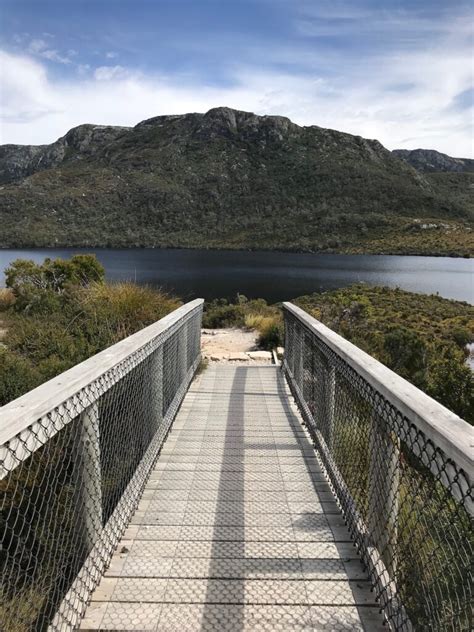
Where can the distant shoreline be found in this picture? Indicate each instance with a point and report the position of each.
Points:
(249, 249)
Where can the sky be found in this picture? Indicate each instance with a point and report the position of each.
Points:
(400, 71)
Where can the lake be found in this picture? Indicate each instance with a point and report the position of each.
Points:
(274, 276)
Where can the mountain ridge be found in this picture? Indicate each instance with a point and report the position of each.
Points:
(82, 136)
(228, 178)
(430, 160)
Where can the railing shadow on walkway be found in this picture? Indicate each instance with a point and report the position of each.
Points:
(235, 442)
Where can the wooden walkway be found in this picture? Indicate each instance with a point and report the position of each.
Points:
(237, 529)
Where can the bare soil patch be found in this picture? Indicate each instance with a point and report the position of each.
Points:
(232, 345)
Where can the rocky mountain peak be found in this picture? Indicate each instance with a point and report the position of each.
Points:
(227, 122)
(19, 161)
(87, 136)
(430, 160)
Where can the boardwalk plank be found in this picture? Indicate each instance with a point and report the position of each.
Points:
(237, 528)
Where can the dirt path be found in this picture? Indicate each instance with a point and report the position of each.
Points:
(232, 345)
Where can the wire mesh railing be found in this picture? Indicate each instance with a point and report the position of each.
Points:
(401, 467)
(75, 454)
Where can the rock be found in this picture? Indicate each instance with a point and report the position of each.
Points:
(240, 356)
(280, 352)
(259, 355)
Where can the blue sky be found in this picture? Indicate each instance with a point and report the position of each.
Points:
(398, 71)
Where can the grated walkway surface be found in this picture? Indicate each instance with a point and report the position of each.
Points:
(237, 529)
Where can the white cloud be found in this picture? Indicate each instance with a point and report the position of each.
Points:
(40, 48)
(26, 96)
(107, 73)
(403, 100)
(111, 54)
(53, 55)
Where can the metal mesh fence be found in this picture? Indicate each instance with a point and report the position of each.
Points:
(71, 481)
(408, 506)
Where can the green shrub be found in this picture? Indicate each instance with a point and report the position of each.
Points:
(462, 337)
(407, 354)
(270, 337)
(18, 375)
(41, 337)
(219, 314)
(253, 314)
(451, 382)
(269, 328)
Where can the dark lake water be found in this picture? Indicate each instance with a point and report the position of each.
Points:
(274, 276)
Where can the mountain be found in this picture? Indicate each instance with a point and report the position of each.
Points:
(19, 161)
(430, 160)
(228, 179)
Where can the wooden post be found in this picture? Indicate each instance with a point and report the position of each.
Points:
(383, 491)
(299, 363)
(156, 386)
(330, 405)
(183, 342)
(91, 473)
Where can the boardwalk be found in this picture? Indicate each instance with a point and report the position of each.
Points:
(237, 528)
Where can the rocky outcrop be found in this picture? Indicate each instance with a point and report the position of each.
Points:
(432, 161)
(20, 161)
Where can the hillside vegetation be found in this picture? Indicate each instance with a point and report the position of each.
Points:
(229, 179)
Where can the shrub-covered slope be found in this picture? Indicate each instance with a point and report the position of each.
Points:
(226, 179)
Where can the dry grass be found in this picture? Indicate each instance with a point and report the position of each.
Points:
(123, 308)
(270, 329)
(259, 322)
(7, 298)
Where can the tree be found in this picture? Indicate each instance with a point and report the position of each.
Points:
(37, 286)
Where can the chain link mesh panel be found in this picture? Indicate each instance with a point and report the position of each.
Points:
(71, 481)
(407, 505)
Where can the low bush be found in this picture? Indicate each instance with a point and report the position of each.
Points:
(112, 311)
(7, 298)
(220, 314)
(271, 335)
(17, 375)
